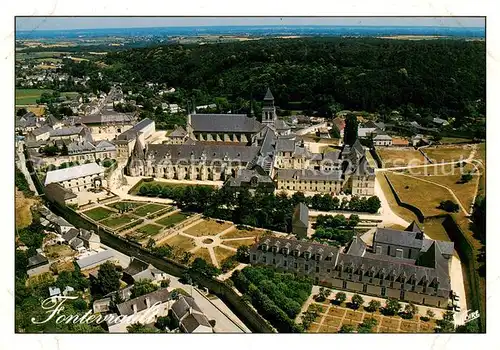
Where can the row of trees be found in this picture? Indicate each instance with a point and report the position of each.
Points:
(326, 202)
(277, 296)
(335, 229)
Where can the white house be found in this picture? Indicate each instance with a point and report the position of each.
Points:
(78, 178)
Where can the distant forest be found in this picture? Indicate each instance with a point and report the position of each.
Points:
(445, 78)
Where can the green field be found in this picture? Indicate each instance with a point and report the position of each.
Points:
(117, 221)
(29, 96)
(148, 209)
(98, 214)
(173, 219)
(149, 230)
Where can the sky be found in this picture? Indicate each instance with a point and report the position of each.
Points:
(65, 23)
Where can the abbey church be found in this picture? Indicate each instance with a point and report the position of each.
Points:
(243, 151)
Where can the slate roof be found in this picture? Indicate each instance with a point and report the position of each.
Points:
(42, 130)
(301, 215)
(137, 128)
(136, 266)
(191, 322)
(285, 145)
(67, 131)
(95, 258)
(107, 117)
(182, 306)
(189, 153)
(74, 172)
(308, 175)
(58, 193)
(127, 307)
(382, 137)
(71, 234)
(76, 243)
(37, 260)
(357, 247)
(269, 95)
(245, 175)
(396, 237)
(178, 132)
(224, 123)
(104, 146)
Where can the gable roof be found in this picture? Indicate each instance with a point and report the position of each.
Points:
(102, 256)
(135, 266)
(397, 237)
(178, 132)
(183, 306)
(73, 172)
(269, 95)
(141, 303)
(58, 193)
(301, 215)
(191, 322)
(224, 123)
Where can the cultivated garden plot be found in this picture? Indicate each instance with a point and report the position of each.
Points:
(148, 209)
(98, 213)
(172, 219)
(118, 221)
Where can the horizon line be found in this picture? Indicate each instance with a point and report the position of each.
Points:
(260, 25)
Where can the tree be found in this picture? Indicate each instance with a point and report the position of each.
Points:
(347, 328)
(367, 325)
(140, 328)
(430, 313)
(446, 324)
(142, 287)
(449, 206)
(21, 111)
(340, 297)
(356, 301)
(351, 129)
(243, 254)
(410, 310)
(392, 307)
(108, 278)
(466, 178)
(64, 150)
(469, 327)
(323, 294)
(165, 283)
(373, 305)
(202, 267)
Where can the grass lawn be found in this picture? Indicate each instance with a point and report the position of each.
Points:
(182, 242)
(421, 194)
(148, 209)
(118, 221)
(29, 96)
(222, 253)
(58, 251)
(394, 157)
(435, 230)
(98, 213)
(465, 192)
(202, 253)
(441, 154)
(149, 230)
(207, 228)
(131, 205)
(172, 220)
(236, 233)
(404, 213)
(450, 140)
(239, 242)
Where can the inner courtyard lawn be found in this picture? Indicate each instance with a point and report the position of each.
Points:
(98, 214)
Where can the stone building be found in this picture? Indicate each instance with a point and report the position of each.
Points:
(423, 279)
(125, 142)
(300, 220)
(78, 178)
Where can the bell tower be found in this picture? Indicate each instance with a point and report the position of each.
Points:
(269, 110)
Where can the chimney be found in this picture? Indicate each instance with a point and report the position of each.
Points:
(190, 310)
(148, 302)
(134, 307)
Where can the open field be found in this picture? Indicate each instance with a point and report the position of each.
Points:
(181, 242)
(98, 213)
(465, 192)
(149, 230)
(222, 253)
(237, 233)
(394, 157)
(207, 228)
(35, 109)
(172, 220)
(57, 251)
(202, 253)
(29, 96)
(148, 209)
(451, 140)
(23, 212)
(421, 194)
(117, 221)
(441, 154)
(239, 242)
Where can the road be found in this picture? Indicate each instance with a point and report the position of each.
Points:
(21, 164)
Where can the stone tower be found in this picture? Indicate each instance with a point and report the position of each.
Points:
(269, 110)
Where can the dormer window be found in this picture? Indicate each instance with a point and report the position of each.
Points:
(307, 255)
(285, 251)
(264, 248)
(295, 253)
(317, 257)
(274, 249)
